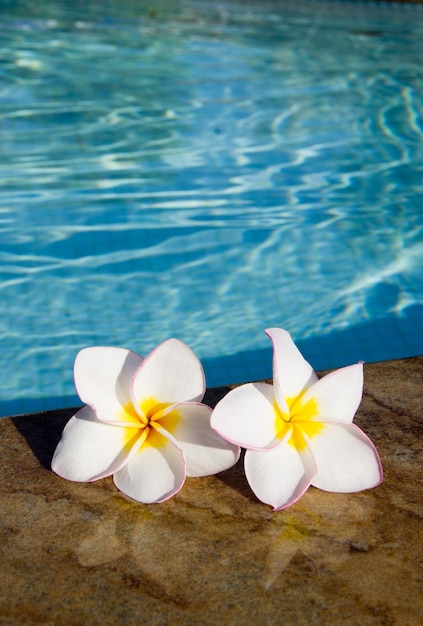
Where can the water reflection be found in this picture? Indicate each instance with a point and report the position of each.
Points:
(206, 175)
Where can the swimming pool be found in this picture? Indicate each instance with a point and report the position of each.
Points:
(206, 170)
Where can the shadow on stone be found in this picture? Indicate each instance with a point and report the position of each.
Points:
(42, 431)
(234, 478)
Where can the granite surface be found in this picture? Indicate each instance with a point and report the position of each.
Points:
(85, 554)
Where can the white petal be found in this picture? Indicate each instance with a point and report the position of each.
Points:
(103, 378)
(292, 374)
(338, 395)
(246, 416)
(90, 449)
(154, 474)
(170, 373)
(346, 459)
(279, 476)
(204, 450)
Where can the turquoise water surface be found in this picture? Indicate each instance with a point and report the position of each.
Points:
(206, 170)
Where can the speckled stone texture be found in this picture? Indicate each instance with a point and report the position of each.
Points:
(84, 554)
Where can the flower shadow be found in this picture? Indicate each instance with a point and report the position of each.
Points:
(234, 478)
(42, 431)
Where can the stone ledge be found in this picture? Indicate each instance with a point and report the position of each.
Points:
(84, 554)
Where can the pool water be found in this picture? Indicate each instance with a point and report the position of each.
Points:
(206, 170)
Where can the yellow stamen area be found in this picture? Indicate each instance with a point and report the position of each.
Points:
(148, 423)
(301, 419)
(151, 408)
(129, 414)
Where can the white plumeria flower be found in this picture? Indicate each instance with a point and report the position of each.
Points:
(144, 423)
(299, 432)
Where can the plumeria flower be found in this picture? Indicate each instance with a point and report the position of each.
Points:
(299, 432)
(144, 422)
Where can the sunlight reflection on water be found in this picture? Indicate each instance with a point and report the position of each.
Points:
(206, 176)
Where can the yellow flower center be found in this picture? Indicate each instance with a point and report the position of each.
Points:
(299, 421)
(148, 425)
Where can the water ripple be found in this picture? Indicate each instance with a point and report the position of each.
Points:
(204, 176)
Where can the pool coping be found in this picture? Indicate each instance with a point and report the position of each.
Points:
(85, 554)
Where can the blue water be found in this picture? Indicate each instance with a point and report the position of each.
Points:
(206, 170)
